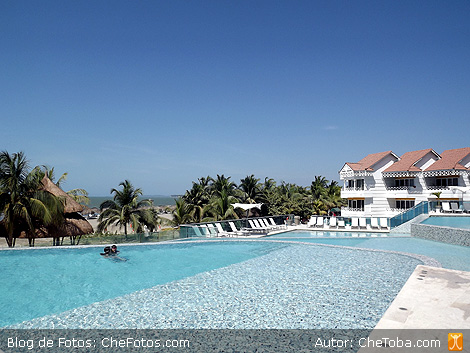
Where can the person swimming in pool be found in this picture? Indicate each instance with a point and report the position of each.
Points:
(110, 251)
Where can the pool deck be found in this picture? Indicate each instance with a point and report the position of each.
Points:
(432, 298)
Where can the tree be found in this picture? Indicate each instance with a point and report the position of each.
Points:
(24, 204)
(221, 207)
(251, 191)
(124, 209)
(182, 213)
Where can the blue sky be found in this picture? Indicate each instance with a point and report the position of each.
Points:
(164, 92)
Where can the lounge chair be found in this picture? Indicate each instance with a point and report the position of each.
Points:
(384, 223)
(341, 223)
(333, 222)
(235, 230)
(312, 222)
(205, 230)
(279, 226)
(319, 222)
(221, 232)
(455, 207)
(258, 225)
(354, 222)
(197, 231)
(362, 223)
(270, 226)
(374, 223)
(446, 207)
(212, 230)
(466, 206)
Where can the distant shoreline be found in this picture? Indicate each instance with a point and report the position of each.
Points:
(158, 200)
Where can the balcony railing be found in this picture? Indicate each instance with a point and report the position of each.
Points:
(351, 209)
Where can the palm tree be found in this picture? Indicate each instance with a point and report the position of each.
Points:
(198, 198)
(250, 188)
(24, 205)
(182, 213)
(125, 208)
(223, 184)
(221, 207)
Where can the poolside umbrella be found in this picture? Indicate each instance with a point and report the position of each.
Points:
(247, 206)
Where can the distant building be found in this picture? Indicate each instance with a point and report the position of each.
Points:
(384, 185)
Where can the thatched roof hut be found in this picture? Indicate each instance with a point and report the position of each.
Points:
(75, 225)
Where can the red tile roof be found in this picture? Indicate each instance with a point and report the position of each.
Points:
(450, 160)
(408, 160)
(368, 161)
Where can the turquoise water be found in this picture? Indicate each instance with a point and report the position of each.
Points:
(453, 222)
(450, 256)
(38, 282)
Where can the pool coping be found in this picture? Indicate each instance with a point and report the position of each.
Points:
(432, 298)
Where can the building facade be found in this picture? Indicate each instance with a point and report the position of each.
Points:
(384, 184)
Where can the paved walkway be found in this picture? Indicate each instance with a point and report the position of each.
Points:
(432, 298)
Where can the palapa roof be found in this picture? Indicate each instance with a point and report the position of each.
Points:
(70, 205)
(408, 160)
(74, 225)
(368, 161)
(451, 160)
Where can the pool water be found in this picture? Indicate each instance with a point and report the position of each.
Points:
(278, 285)
(452, 222)
(38, 282)
(450, 256)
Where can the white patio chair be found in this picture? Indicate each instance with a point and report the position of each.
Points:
(383, 223)
(312, 222)
(446, 207)
(341, 223)
(374, 223)
(466, 206)
(319, 222)
(362, 222)
(221, 232)
(333, 222)
(455, 207)
(354, 222)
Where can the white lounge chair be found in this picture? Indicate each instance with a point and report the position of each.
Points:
(446, 207)
(279, 226)
(235, 230)
(362, 223)
(266, 223)
(383, 223)
(312, 222)
(197, 231)
(205, 230)
(221, 232)
(374, 223)
(466, 206)
(333, 222)
(341, 223)
(212, 230)
(319, 222)
(354, 222)
(454, 206)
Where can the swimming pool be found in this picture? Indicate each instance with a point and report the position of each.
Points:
(452, 222)
(201, 284)
(450, 256)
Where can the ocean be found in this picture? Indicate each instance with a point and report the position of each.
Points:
(158, 200)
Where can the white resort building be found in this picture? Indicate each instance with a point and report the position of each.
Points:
(384, 184)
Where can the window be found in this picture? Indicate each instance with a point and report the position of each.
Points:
(350, 183)
(404, 182)
(360, 184)
(359, 204)
(447, 181)
(404, 204)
